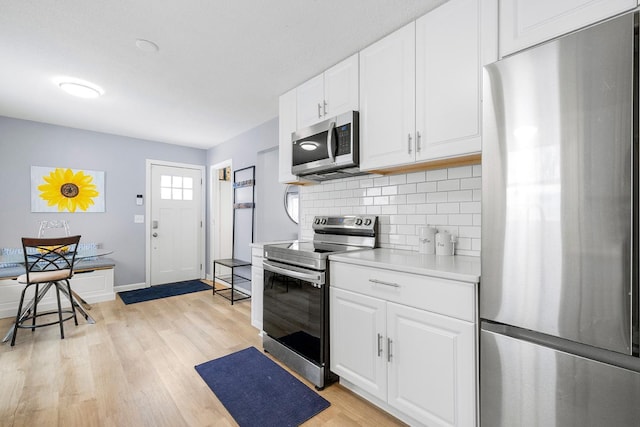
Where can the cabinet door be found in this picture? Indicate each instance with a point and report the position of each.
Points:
(287, 125)
(432, 366)
(357, 325)
(310, 98)
(448, 81)
(387, 100)
(524, 23)
(257, 288)
(341, 87)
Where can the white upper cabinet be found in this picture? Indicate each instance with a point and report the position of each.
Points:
(420, 90)
(331, 93)
(387, 100)
(524, 23)
(287, 125)
(448, 81)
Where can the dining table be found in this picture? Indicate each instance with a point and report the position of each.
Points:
(80, 304)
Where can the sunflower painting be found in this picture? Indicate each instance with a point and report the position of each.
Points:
(66, 190)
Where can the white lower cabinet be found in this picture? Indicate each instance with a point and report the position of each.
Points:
(417, 364)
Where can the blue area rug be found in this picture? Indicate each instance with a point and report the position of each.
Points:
(163, 291)
(258, 392)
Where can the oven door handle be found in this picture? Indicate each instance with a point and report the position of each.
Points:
(287, 270)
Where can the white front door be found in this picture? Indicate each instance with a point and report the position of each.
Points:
(175, 224)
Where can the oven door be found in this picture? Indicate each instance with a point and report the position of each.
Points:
(295, 309)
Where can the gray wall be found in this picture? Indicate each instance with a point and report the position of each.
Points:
(272, 222)
(243, 151)
(24, 144)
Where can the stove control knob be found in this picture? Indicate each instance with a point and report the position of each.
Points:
(316, 221)
(367, 222)
(324, 221)
(359, 221)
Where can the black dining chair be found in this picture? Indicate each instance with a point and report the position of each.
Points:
(48, 263)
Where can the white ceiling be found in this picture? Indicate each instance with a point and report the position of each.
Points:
(221, 65)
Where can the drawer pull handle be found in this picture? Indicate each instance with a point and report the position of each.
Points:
(381, 282)
(389, 342)
(379, 345)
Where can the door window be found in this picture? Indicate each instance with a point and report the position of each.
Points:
(176, 187)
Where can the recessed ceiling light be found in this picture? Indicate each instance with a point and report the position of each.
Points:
(147, 45)
(79, 88)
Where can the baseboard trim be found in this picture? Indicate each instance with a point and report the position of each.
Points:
(130, 287)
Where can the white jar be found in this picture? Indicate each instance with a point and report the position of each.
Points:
(427, 240)
(444, 243)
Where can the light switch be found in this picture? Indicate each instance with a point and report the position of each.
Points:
(138, 219)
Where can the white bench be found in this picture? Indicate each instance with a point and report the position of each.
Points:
(92, 280)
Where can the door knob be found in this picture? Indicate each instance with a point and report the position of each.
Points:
(155, 234)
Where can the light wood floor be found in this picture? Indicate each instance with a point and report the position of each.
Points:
(135, 367)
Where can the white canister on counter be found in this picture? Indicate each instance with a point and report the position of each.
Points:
(444, 243)
(427, 240)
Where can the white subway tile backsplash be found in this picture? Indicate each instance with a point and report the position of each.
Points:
(390, 209)
(406, 209)
(437, 175)
(461, 219)
(449, 208)
(397, 179)
(398, 200)
(374, 191)
(470, 207)
(416, 198)
(460, 196)
(471, 183)
(397, 219)
(416, 177)
(438, 219)
(427, 208)
(449, 185)
(448, 199)
(381, 181)
(417, 219)
(381, 200)
(427, 187)
(390, 190)
(407, 188)
(460, 172)
(407, 229)
(366, 182)
(437, 197)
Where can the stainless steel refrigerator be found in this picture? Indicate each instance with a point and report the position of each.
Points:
(559, 292)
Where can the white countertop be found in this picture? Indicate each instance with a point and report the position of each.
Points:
(458, 267)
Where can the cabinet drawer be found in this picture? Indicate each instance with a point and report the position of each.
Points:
(447, 297)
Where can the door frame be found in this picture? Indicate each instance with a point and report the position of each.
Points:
(147, 212)
(214, 198)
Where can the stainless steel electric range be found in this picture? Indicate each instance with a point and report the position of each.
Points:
(296, 293)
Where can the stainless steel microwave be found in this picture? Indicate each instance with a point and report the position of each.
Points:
(327, 146)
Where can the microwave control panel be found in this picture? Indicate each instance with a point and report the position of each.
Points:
(343, 134)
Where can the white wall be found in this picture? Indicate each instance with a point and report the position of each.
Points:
(449, 199)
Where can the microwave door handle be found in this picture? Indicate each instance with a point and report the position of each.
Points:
(331, 142)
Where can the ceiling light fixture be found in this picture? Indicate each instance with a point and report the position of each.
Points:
(147, 45)
(79, 88)
(309, 145)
